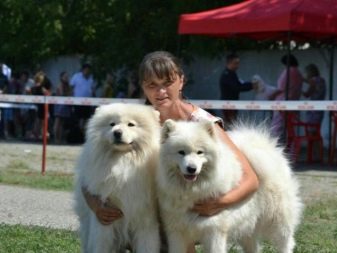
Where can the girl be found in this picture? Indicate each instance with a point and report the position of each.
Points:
(162, 80)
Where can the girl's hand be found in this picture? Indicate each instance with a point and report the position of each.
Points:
(248, 184)
(208, 207)
(106, 215)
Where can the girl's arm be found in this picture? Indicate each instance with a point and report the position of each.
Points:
(105, 214)
(249, 184)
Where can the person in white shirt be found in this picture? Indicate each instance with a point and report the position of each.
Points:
(83, 85)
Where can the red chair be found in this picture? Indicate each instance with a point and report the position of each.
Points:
(299, 132)
(333, 150)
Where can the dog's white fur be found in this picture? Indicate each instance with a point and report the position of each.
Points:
(263, 90)
(196, 165)
(118, 163)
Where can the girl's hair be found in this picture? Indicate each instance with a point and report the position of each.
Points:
(161, 65)
(312, 70)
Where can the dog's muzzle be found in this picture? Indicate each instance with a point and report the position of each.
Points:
(191, 173)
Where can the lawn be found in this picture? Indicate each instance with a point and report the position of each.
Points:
(316, 234)
(21, 239)
(18, 173)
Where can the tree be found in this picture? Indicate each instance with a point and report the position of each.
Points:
(112, 33)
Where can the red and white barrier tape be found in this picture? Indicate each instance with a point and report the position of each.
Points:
(322, 105)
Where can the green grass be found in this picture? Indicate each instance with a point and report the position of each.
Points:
(21, 239)
(316, 234)
(18, 173)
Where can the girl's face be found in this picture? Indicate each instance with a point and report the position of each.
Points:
(163, 92)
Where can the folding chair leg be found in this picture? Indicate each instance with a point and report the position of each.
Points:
(310, 152)
(297, 149)
(333, 148)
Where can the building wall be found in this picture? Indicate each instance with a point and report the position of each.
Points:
(203, 74)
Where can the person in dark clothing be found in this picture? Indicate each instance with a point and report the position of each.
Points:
(231, 86)
(3, 90)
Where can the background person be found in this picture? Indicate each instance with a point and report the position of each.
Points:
(83, 85)
(26, 82)
(62, 112)
(3, 90)
(162, 80)
(231, 86)
(42, 87)
(316, 91)
(14, 123)
(294, 92)
(109, 86)
(28, 115)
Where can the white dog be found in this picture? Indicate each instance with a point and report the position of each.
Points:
(117, 163)
(196, 165)
(263, 90)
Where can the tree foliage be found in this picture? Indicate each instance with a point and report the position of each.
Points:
(112, 33)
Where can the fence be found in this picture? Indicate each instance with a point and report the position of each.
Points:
(22, 101)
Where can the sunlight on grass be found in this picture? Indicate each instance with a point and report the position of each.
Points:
(18, 239)
(18, 173)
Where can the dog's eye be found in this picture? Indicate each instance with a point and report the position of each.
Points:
(131, 124)
(200, 152)
(181, 152)
(112, 124)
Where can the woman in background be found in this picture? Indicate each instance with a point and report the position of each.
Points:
(292, 92)
(61, 112)
(316, 91)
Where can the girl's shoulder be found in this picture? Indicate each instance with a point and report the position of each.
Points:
(200, 114)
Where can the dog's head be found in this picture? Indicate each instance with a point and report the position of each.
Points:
(124, 127)
(260, 83)
(188, 149)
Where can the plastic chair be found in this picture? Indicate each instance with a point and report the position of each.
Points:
(299, 132)
(333, 150)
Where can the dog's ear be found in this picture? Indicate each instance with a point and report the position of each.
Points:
(209, 127)
(169, 126)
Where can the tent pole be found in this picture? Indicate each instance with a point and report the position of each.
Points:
(332, 52)
(331, 72)
(287, 86)
(288, 66)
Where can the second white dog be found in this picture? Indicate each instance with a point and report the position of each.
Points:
(196, 165)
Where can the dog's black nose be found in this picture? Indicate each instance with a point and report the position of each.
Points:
(191, 170)
(118, 134)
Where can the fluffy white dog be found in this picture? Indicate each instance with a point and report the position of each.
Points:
(117, 163)
(263, 90)
(196, 165)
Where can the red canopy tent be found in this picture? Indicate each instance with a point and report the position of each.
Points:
(266, 19)
(301, 20)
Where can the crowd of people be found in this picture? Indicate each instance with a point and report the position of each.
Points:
(290, 86)
(66, 122)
